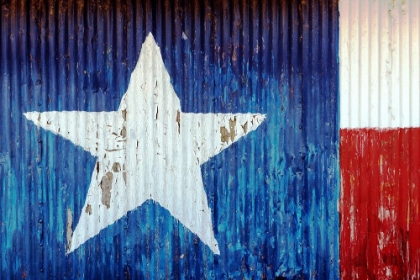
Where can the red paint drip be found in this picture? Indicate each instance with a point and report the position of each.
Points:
(379, 204)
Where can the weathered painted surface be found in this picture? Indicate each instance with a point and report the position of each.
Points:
(380, 225)
(379, 150)
(271, 196)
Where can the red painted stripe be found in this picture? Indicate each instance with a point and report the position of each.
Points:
(379, 204)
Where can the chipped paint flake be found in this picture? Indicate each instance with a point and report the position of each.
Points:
(106, 186)
(228, 135)
(116, 167)
(88, 209)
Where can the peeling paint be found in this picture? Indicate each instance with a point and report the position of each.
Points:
(178, 120)
(229, 135)
(88, 209)
(232, 126)
(124, 114)
(224, 134)
(69, 229)
(106, 186)
(123, 132)
(245, 127)
(116, 167)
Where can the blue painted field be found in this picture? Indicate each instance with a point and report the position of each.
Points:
(273, 194)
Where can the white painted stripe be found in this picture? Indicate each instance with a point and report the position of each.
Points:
(379, 64)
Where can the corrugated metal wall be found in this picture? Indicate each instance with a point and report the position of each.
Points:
(380, 138)
(273, 194)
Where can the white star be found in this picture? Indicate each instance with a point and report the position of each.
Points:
(148, 149)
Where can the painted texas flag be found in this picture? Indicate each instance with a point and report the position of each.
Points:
(159, 139)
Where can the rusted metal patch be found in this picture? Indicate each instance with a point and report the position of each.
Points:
(106, 186)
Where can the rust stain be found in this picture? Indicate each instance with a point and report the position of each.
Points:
(232, 125)
(116, 167)
(69, 230)
(106, 186)
(245, 127)
(123, 132)
(226, 135)
(178, 120)
(88, 209)
(124, 114)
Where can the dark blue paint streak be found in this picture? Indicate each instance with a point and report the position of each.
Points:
(273, 194)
